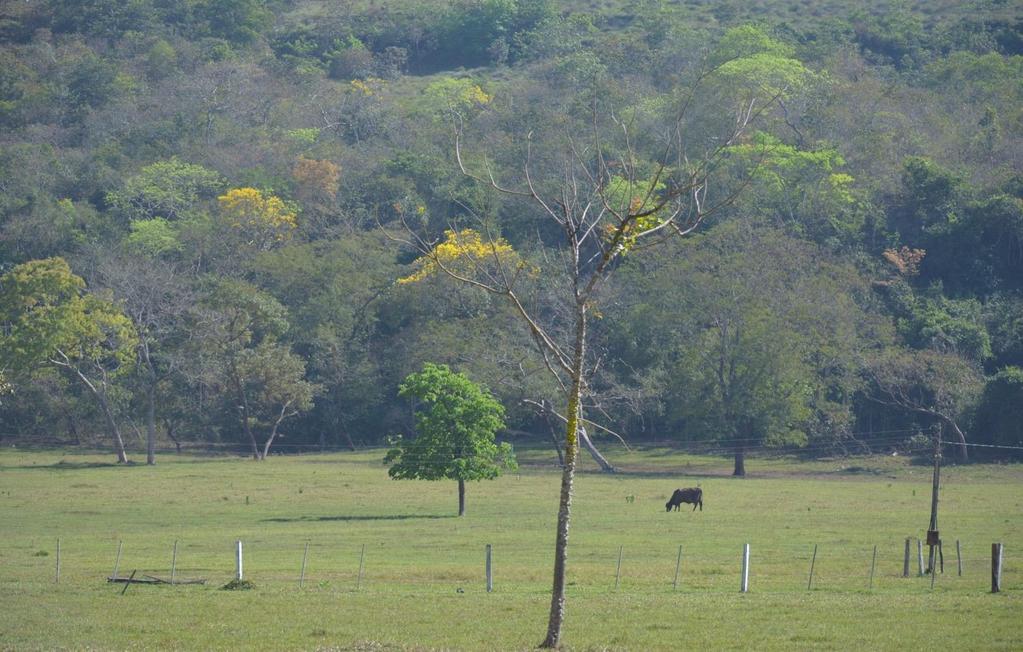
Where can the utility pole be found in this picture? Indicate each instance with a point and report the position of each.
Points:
(933, 538)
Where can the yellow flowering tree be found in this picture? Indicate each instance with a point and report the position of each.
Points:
(262, 220)
(453, 95)
(468, 256)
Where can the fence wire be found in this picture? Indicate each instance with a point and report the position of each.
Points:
(390, 565)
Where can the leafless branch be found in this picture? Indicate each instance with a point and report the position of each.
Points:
(547, 409)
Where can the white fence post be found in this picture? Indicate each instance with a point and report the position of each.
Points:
(238, 560)
(744, 587)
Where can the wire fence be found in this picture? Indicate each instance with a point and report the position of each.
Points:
(884, 440)
(394, 565)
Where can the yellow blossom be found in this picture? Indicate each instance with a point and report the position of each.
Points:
(263, 219)
(464, 251)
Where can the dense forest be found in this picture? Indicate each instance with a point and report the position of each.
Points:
(206, 207)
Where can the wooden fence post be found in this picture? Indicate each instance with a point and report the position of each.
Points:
(996, 567)
(56, 579)
(238, 560)
(920, 557)
(174, 560)
(678, 564)
(905, 560)
(117, 560)
(873, 564)
(490, 569)
(618, 569)
(959, 558)
(128, 583)
(813, 560)
(362, 561)
(744, 584)
(305, 555)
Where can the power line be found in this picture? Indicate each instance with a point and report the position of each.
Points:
(1013, 448)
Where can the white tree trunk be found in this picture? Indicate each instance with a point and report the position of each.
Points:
(584, 438)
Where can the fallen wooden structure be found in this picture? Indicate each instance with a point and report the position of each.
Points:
(149, 579)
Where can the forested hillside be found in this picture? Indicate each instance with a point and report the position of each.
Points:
(206, 207)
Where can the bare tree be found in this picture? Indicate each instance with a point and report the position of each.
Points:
(156, 299)
(604, 200)
(939, 386)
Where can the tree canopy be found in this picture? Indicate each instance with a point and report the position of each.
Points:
(284, 147)
(455, 427)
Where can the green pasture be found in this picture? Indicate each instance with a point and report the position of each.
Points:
(423, 585)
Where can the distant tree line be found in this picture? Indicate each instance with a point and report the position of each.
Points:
(201, 205)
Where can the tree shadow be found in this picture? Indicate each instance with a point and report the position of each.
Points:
(655, 474)
(394, 517)
(72, 466)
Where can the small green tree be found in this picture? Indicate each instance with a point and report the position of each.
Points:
(455, 428)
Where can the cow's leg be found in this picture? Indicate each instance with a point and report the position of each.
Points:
(694, 506)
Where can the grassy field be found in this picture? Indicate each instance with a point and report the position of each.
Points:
(423, 580)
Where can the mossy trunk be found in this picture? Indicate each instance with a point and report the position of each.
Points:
(557, 613)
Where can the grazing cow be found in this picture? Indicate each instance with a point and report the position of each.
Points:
(692, 495)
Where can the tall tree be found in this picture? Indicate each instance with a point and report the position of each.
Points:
(156, 299)
(50, 319)
(270, 380)
(237, 351)
(767, 338)
(595, 203)
(941, 387)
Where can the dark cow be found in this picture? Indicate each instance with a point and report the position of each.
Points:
(692, 495)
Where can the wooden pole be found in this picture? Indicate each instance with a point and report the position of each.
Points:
(959, 558)
(238, 560)
(678, 565)
(813, 560)
(934, 572)
(117, 560)
(996, 567)
(744, 584)
(873, 564)
(305, 555)
(362, 561)
(174, 560)
(490, 569)
(128, 583)
(920, 557)
(935, 484)
(56, 579)
(618, 569)
(905, 560)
